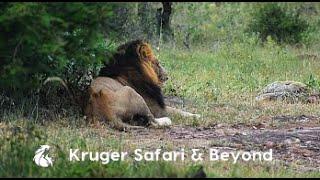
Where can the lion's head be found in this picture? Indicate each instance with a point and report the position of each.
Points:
(139, 54)
(151, 64)
(135, 63)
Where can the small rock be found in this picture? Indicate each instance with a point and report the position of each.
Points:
(308, 142)
(269, 144)
(199, 128)
(306, 153)
(315, 98)
(288, 141)
(221, 125)
(296, 141)
(291, 91)
(244, 133)
(261, 126)
(238, 146)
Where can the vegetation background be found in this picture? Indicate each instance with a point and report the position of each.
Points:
(218, 55)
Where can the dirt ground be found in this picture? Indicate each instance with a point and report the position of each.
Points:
(295, 145)
(296, 141)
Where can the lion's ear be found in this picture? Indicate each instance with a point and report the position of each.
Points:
(98, 94)
(95, 94)
(144, 51)
(103, 92)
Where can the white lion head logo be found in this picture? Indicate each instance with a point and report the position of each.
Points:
(41, 157)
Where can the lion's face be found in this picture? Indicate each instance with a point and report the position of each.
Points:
(160, 71)
(151, 64)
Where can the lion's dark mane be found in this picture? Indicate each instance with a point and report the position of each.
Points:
(125, 62)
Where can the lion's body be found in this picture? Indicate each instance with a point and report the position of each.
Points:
(117, 104)
(128, 89)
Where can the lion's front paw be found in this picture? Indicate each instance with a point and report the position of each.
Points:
(164, 121)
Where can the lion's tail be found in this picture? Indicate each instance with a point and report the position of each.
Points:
(81, 101)
(60, 80)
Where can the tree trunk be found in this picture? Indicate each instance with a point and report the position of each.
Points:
(166, 21)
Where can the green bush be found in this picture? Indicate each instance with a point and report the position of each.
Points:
(282, 24)
(38, 40)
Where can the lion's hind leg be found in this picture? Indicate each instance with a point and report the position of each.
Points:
(121, 126)
(135, 108)
(139, 108)
(114, 111)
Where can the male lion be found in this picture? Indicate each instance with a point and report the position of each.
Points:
(128, 90)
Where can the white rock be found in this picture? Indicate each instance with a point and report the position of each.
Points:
(284, 90)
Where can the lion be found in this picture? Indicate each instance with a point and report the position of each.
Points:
(127, 93)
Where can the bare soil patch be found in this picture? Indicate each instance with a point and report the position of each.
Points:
(299, 146)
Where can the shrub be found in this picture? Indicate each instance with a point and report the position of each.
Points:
(283, 25)
(38, 40)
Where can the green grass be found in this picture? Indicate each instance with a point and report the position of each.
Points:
(20, 139)
(223, 83)
(233, 71)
